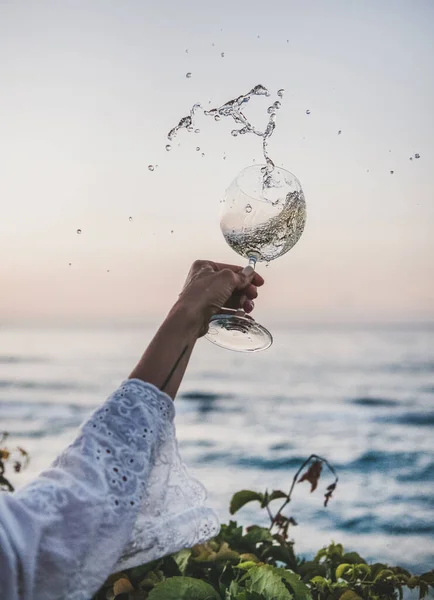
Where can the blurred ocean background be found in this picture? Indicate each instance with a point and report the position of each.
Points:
(360, 396)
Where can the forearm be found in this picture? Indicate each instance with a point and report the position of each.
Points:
(166, 358)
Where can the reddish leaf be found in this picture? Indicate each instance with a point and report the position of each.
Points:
(312, 474)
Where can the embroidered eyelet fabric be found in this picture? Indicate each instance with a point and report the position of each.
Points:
(117, 497)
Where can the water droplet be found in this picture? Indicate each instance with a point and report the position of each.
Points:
(411, 158)
(197, 148)
(186, 51)
(151, 167)
(130, 219)
(222, 54)
(254, 160)
(217, 118)
(203, 154)
(190, 128)
(287, 41)
(79, 231)
(188, 75)
(248, 208)
(224, 157)
(267, 264)
(390, 150)
(168, 147)
(417, 155)
(197, 131)
(234, 132)
(259, 37)
(392, 172)
(340, 131)
(70, 264)
(280, 93)
(171, 231)
(108, 270)
(213, 44)
(308, 112)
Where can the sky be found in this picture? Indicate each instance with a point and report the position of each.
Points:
(89, 90)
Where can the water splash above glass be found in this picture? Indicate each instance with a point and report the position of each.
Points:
(235, 109)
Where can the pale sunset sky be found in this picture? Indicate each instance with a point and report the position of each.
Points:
(89, 90)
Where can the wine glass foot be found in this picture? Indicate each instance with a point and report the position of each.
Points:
(238, 332)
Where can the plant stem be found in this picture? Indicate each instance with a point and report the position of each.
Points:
(294, 481)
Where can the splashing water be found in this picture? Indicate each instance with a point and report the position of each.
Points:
(234, 109)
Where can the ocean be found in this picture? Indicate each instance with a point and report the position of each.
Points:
(360, 396)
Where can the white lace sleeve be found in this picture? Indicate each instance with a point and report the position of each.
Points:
(119, 496)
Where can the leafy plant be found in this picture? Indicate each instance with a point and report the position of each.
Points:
(17, 456)
(256, 563)
(259, 563)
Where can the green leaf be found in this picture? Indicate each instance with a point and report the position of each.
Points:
(353, 558)
(384, 575)
(181, 558)
(311, 569)
(283, 553)
(273, 582)
(246, 565)
(231, 533)
(427, 578)
(267, 581)
(376, 568)
(362, 571)
(226, 554)
(256, 534)
(320, 582)
(298, 588)
(152, 579)
(243, 497)
(183, 588)
(350, 595)
(276, 494)
(343, 570)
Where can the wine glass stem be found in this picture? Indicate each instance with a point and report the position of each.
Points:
(252, 260)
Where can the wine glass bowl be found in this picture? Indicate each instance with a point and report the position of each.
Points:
(264, 214)
(259, 222)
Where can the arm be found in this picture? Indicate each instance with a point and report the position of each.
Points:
(166, 358)
(64, 533)
(209, 287)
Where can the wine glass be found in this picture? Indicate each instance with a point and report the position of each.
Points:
(263, 217)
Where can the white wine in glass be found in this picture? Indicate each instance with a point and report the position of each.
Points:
(263, 217)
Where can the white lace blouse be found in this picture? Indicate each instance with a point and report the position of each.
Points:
(117, 497)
